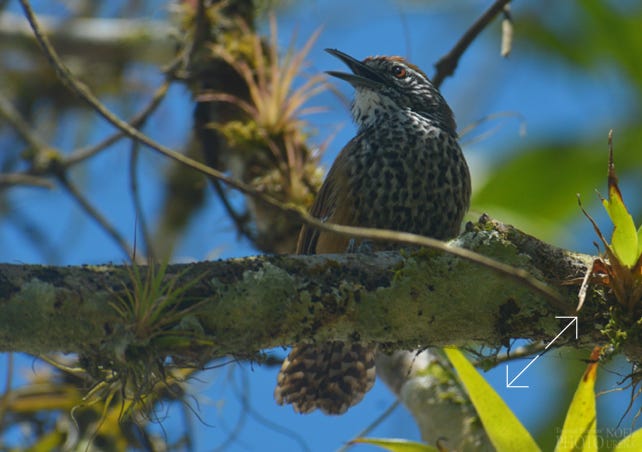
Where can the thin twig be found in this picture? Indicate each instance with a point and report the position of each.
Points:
(97, 216)
(34, 231)
(244, 397)
(11, 179)
(138, 205)
(233, 435)
(510, 355)
(469, 128)
(83, 154)
(38, 148)
(139, 121)
(81, 90)
(448, 63)
(517, 274)
(239, 219)
(9, 113)
(374, 424)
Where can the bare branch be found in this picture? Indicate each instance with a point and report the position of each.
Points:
(138, 120)
(448, 63)
(94, 214)
(13, 117)
(11, 179)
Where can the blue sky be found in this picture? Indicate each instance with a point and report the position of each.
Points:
(550, 99)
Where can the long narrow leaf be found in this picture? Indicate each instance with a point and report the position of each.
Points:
(625, 238)
(396, 445)
(579, 433)
(504, 430)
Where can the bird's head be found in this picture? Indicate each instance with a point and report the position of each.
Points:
(385, 84)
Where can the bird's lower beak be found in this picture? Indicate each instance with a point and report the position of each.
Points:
(362, 75)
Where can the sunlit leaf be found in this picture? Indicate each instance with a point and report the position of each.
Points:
(631, 442)
(579, 433)
(624, 242)
(504, 430)
(397, 445)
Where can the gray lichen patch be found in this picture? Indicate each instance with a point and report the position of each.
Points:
(35, 321)
(264, 293)
(52, 321)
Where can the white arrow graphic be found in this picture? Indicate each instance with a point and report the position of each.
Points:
(509, 384)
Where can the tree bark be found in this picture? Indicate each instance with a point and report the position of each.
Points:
(401, 300)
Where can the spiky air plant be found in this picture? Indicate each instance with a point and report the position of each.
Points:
(109, 400)
(270, 145)
(620, 267)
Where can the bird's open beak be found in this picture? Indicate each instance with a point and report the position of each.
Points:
(362, 75)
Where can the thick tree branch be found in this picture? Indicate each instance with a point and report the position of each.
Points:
(400, 300)
(440, 406)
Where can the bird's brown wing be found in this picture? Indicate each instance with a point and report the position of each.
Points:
(333, 204)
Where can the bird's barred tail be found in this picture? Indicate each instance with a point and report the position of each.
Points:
(331, 377)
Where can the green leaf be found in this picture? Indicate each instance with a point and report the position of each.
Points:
(631, 442)
(579, 433)
(504, 430)
(624, 241)
(599, 31)
(396, 445)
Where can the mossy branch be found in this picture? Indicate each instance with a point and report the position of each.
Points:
(402, 300)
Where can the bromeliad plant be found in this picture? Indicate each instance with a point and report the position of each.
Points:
(272, 140)
(621, 267)
(263, 137)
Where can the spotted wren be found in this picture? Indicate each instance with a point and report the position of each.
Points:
(404, 170)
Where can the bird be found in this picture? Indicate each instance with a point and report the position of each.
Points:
(404, 170)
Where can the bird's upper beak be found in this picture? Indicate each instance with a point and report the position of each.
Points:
(362, 75)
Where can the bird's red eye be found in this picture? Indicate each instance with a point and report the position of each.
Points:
(399, 71)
